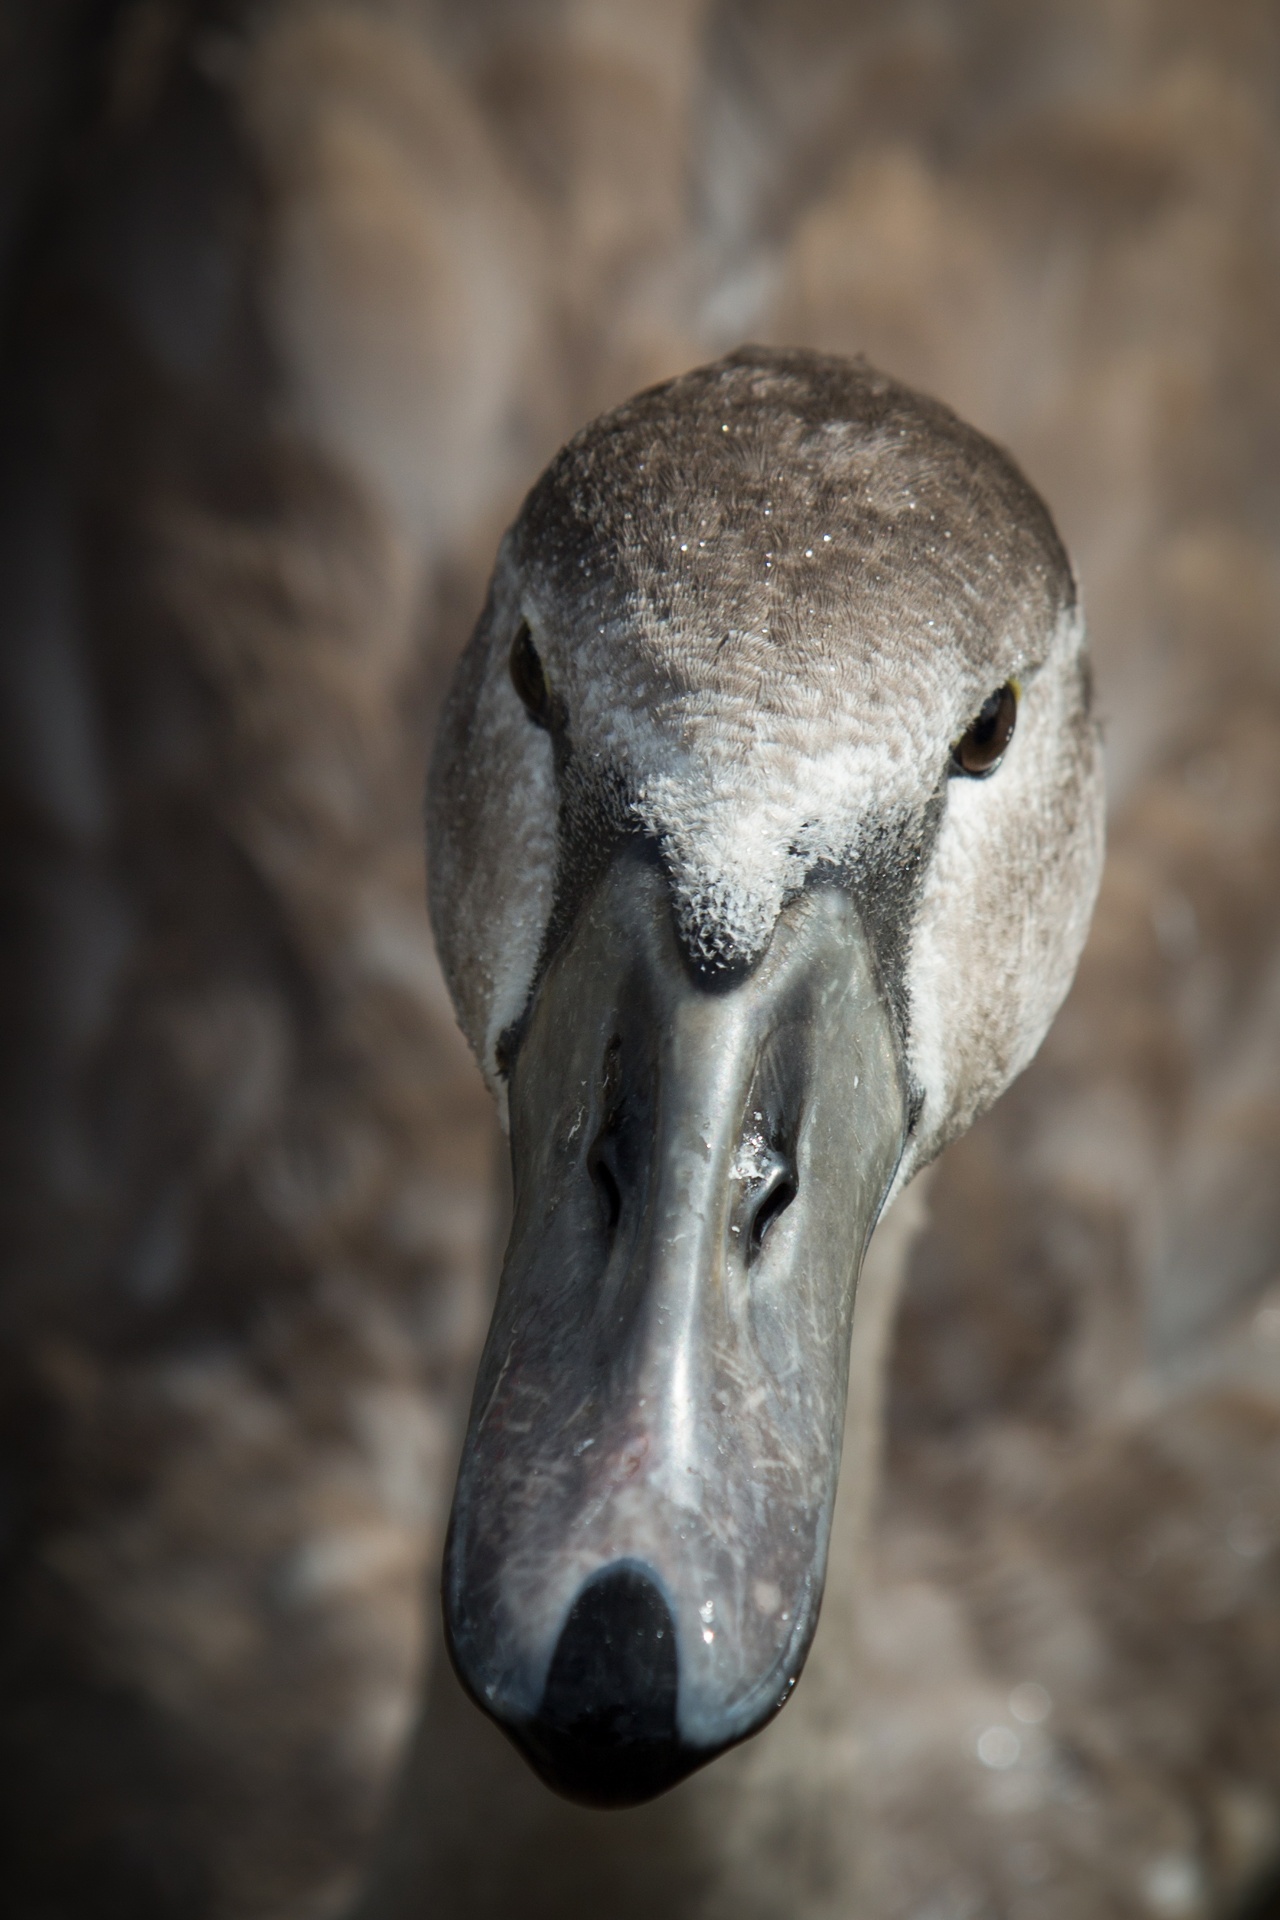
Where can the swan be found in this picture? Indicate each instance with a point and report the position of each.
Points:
(765, 822)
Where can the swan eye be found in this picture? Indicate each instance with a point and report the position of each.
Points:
(981, 747)
(527, 677)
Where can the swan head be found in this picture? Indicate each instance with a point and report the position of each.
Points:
(765, 825)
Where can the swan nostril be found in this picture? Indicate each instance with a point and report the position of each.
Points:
(773, 1201)
(606, 1180)
(607, 1186)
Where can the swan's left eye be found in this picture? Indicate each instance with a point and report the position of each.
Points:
(527, 677)
(981, 747)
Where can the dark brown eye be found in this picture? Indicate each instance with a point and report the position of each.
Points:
(980, 748)
(527, 677)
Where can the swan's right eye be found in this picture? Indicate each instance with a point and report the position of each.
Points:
(527, 677)
(980, 748)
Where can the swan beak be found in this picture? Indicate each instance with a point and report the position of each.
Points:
(639, 1534)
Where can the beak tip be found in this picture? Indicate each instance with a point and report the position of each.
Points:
(605, 1732)
(603, 1774)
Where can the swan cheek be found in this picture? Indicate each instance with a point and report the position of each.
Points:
(1004, 911)
(491, 839)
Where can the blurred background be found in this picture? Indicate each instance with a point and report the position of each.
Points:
(297, 296)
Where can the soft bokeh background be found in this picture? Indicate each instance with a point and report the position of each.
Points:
(297, 298)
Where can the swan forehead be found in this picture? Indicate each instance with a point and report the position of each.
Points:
(770, 594)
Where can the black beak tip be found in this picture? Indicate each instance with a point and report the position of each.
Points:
(582, 1765)
(605, 1733)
